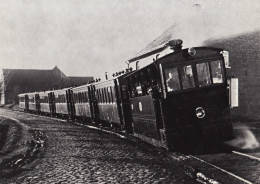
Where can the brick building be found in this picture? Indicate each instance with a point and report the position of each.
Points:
(15, 81)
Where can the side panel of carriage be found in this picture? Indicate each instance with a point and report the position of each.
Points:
(44, 102)
(23, 102)
(61, 103)
(33, 102)
(52, 106)
(82, 99)
(106, 95)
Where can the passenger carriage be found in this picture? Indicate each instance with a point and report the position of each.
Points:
(82, 100)
(23, 102)
(33, 102)
(62, 101)
(107, 102)
(44, 100)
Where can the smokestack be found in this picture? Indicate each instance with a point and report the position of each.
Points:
(175, 45)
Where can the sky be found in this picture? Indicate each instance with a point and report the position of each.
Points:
(91, 37)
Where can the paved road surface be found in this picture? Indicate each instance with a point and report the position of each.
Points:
(75, 154)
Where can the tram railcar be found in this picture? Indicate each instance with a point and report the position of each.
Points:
(108, 107)
(82, 99)
(23, 102)
(63, 103)
(180, 98)
(44, 100)
(33, 102)
(175, 100)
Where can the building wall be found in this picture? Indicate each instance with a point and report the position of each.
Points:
(22, 81)
(244, 52)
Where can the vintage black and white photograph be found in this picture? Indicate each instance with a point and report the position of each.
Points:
(130, 91)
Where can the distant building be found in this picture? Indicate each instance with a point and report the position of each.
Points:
(244, 56)
(15, 81)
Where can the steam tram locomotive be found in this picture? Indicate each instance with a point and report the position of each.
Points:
(178, 98)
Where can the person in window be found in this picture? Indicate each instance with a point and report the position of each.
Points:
(187, 79)
(172, 83)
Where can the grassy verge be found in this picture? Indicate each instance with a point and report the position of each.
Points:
(20, 147)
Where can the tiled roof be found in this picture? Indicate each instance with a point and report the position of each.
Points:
(156, 45)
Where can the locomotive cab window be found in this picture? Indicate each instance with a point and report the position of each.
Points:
(172, 79)
(216, 69)
(203, 74)
(187, 77)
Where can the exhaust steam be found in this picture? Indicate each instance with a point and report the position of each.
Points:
(244, 138)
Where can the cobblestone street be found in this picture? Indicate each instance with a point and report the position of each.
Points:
(76, 154)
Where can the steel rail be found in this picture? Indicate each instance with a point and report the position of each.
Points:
(246, 155)
(223, 170)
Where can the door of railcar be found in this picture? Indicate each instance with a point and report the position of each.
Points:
(37, 101)
(52, 103)
(70, 103)
(90, 100)
(125, 104)
(26, 103)
(94, 102)
(145, 92)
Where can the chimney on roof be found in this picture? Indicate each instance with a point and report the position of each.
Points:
(175, 45)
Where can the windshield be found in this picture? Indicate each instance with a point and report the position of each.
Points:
(172, 79)
(203, 74)
(216, 69)
(187, 77)
(182, 77)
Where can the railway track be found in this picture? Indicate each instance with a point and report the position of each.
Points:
(233, 167)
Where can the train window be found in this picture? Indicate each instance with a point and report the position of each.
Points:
(154, 81)
(80, 97)
(172, 79)
(145, 82)
(105, 95)
(83, 98)
(203, 74)
(101, 96)
(87, 97)
(187, 77)
(138, 84)
(76, 97)
(216, 69)
(98, 96)
(132, 87)
(109, 94)
(113, 94)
